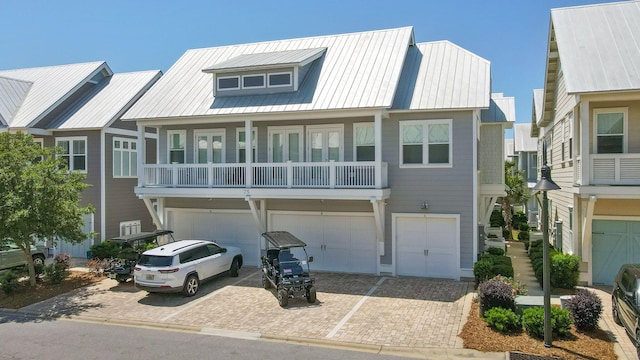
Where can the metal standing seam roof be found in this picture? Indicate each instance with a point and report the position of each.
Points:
(538, 98)
(501, 110)
(442, 75)
(358, 70)
(269, 59)
(599, 46)
(523, 142)
(50, 86)
(12, 94)
(107, 101)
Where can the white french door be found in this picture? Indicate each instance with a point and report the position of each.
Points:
(325, 143)
(209, 146)
(285, 144)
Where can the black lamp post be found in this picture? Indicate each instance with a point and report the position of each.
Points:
(546, 184)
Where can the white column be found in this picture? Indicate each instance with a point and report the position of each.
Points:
(585, 157)
(378, 149)
(141, 154)
(248, 149)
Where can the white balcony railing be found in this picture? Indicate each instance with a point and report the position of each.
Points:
(615, 169)
(330, 175)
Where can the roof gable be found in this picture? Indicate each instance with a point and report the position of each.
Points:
(599, 46)
(51, 85)
(358, 70)
(267, 60)
(523, 142)
(442, 75)
(501, 110)
(12, 94)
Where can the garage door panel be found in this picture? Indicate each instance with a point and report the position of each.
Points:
(614, 242)
(181, 224)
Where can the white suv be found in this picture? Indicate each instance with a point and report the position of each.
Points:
(182, 265)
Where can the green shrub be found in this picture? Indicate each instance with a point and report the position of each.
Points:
(503, 320)
(64, 259)
(55, 273)
(496, 219)
(523, 236)
(537, 264)
(565, 270)
(495, 251)
(8, 282)
(533, 322)
(495, 293)
(535, 245)
(506, 233)
(585, 308)
(517, 287)
(519, 220)
(526, 244)
(482, 270)
(105, 250)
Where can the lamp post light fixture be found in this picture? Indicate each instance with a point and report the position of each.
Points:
(546, 184)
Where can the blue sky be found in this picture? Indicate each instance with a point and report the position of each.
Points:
(134, 35)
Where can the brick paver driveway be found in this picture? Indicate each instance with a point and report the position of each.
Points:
(366, 309)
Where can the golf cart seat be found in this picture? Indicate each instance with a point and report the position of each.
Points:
(272, 254)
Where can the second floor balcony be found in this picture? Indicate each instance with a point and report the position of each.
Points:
(287, 175)
(611, 169)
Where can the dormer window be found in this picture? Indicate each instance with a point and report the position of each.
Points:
(229, 83)
(253, 81)
(263, 73)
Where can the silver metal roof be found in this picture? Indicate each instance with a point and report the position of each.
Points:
(538, 98)
(107, 101)
(522, 138)
(358, 70)
(442, 75)
(12, 94)
(501, 109)
(267, 60)
(50, 86)
(599, 46)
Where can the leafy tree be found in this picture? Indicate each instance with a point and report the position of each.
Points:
(39, 197)
(517, 192)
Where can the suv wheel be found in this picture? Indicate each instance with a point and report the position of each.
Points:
(614, 311)
(283, 297)
(38, 260)
(311, 294)
(233, 271)
(191, 285)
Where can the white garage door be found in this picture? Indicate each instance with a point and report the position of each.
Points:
(614, 242)
(78, 250)
(338, 242)
(227, 228)
(427, 245)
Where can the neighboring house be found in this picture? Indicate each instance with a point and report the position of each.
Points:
(509, 154)
(590, 121)
(364, 145)
(526, 150)
(77, 107)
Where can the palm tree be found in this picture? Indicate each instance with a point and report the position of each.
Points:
(517, 193)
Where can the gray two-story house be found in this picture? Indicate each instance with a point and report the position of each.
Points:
(365, 145)
(77, 107)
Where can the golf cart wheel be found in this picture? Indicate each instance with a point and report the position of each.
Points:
(38, 260)
(311, 294)
(121, 278)
(191, 285)
(265, 281)
(283, 298)
(233, 271)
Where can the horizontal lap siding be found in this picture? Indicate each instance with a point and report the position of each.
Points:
(446, 190)
(121, 202)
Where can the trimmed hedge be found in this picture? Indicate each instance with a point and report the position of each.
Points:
(533, 322)
(495, 293)
(495, 251)
(105, 250)
(503, 320)
(490, 266)
(565, 270)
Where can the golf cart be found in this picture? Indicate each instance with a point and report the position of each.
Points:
(131, 246)
(286, 267)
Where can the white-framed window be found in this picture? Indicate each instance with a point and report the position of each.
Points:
(364, 142)
(125, 157)
(241, 146)
(562, 141)
(285, 143)
(74, 151)
(176, 142)
(253, 81)
(228, 83)
(39, 141)
(610, 127)
(570, 131)
(130, 227)
(209, 146)
(280, 79)
(532, 166)
(426, 143)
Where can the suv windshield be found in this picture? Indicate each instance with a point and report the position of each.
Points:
(155, 261)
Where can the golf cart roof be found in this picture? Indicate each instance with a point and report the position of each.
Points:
(141, 236)
(283, 239)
